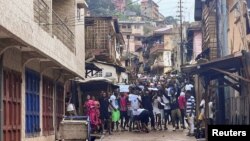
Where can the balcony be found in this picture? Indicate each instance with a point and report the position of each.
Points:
(56, 27)
(62, 32)
(42, 14)
(157, 48)
(126, 30)
(158, 64)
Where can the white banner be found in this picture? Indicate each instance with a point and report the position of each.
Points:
(124, 88)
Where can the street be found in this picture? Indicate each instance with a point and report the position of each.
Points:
(81, 69)
(152, 136)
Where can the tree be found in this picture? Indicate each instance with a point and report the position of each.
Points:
(101, 7)
(134, 7)
(170, 20)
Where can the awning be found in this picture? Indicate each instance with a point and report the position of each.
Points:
(97, 80)
(231, 63)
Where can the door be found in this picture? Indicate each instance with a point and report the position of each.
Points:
(32, 103)
(48, 90)
(12, 106)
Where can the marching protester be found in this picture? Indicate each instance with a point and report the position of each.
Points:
(156, 109)
(133, 98)
(190, 112)
(175, 111)
(104, 113)
(124, 111)
(147, 99)
(115, 114)
(167, 109)
(182, 106)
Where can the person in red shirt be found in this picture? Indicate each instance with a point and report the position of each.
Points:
(124, 110)
(182, 106)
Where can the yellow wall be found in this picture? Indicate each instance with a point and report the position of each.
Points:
(168, 42)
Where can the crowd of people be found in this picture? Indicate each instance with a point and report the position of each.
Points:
(147, 106)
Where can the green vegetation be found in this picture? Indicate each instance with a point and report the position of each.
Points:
(107, 8)
(101, 7)
(133, 7)
(170, 20)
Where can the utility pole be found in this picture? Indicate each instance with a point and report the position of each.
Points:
(181, 29)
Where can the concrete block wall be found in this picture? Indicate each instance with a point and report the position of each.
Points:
(17, 18)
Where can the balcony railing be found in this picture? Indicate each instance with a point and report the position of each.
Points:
(127, 30)
(157, 47)
(59, 29)
(41, 14)
(62, 32)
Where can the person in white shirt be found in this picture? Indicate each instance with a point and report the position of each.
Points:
(211, 112)
(156, 109)
(71, 111)
(134, 105)
(189, 87)
(115, 110)
(167, 109)
(201, 116)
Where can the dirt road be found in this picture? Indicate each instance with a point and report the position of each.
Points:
(168, 135)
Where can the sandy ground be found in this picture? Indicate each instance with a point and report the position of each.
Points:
(169, 135)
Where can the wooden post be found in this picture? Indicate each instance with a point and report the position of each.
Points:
(80, 110)
(207, 94)
(1, 97)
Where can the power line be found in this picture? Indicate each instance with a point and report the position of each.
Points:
(181, 29)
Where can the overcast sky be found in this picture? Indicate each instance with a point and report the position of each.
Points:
(169, 8)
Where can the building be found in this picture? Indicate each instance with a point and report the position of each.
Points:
(104, 47)
(193, 43)
(115, 73)
(104, 40)
(133, 34)
(161, 45)
(222, 70)
(150, 9)
(41, 48)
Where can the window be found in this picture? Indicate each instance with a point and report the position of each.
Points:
(124, 26)
(137, 26)
(48, 89)
(108, 74)
(129, 26)
(98, 74)
(32, 105)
